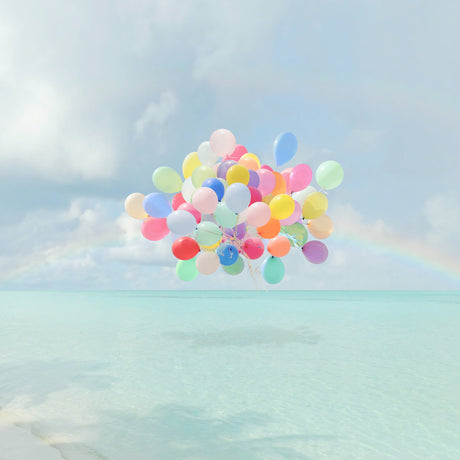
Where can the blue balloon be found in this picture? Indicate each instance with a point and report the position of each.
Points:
(284, 148)
(228, 254)
(157, 205)
(216, 185)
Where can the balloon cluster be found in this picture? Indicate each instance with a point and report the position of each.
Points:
(229, 208)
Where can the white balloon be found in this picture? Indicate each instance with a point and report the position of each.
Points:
(181, 222)
(301, 195)
(206, 155)
(207, 263)
(237, 197)
(187, 189)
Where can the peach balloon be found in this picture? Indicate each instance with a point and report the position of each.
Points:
(279, 246)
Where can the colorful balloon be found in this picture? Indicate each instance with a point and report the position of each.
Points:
(273, 270)
(270, 229)
(154, 228)
(207, 234)
(207, 263)
(321, 227)
(134, 206)
(255, 195)
(188, 190)
(282, 206)
(191, 209)
(190, 163)
(157, 205)
(253, 248)
(315, 251)
(258, 214)
(300, 177)
(200, 174)
(177, 200)
(237, 173)
(222, 142)
(329, 175)
(314, 205)
(228, 254)
(280, 184)
(267, 181)
(238, 152)
(284, 148)
(186, 270)
(167, 180)
(216, 185)
(181, 222)
(205, 200)
(279, 246)
(294, 217)
(237, 197)
(225, 216)
(206, 155)
(254, 179)
(185, 248)
(236, 268)
(223, 168)
(295, 233)
(301, 195)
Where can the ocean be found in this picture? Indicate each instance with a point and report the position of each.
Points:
(234, 375)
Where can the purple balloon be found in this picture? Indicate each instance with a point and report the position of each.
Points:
(224, 167)
(254, 179)
(315, 251)
(238, 231)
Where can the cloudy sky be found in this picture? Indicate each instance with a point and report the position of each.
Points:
(94, 95)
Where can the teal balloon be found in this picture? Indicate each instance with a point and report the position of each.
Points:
(186, 269)
(207, 233)
(296, 233)
(284, 148)
(225, 216)
(273, 270)
(236, 268)
(329, 175)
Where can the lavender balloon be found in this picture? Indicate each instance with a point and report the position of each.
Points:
(315, 251)
(238, 231)
(254, 179)
(224, 167)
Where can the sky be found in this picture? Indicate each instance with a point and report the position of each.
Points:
(95, 95)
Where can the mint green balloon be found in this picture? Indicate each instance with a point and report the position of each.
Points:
(167, 180)
(273, 270)
(225, 216)
(236, 268)
(186, 269)
(296, 233)
(207, 233)
(200, 174)
(329, 175)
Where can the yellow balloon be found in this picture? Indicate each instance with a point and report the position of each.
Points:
(282, 206)
(321, 227)
(210, 248)
(250, 161)
(238, 173)
(191, 161)
(134, 205)
(167, 180)
(315, 205)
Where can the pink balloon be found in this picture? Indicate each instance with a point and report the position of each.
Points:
(191, 209)
(222, 142)
(300, 177)
(239, 151)
(267, 181)
(253, 248)
(205, 200)
(266, 167)
(285, 173)
(255, 195)
(294, 217)
(258, 214)
(154, 228)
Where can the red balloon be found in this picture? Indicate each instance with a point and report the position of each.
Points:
(177, 200)
(253, 248)
(255, 195)
(185, 248)
(267, 167)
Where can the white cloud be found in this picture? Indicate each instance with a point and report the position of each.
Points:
(157, 113)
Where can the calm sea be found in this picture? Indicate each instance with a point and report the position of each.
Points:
(234, 375)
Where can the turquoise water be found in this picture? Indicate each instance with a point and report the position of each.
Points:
(234, 375)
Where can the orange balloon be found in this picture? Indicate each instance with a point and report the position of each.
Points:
(280, 186)
(279, 246)
(249, 162)
(270, 229)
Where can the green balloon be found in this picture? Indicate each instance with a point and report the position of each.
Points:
(186, 269)
(200, 174)
(207, 233)
(225, 216)
(296, 233)
(167, 180)
(236, 268)
(329, 175)
(273, 270)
